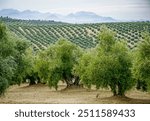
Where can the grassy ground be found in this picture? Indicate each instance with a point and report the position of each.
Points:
(42, 94)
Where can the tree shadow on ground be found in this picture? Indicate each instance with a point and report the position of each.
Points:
(122, 100)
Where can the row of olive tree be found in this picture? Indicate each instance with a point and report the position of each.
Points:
(109, 65)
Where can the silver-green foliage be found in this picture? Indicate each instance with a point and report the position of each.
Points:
(12, 64)
(7, 64)
(56, 63)
(141, 65)
(108, 65)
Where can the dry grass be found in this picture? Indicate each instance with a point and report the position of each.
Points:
(42, 94)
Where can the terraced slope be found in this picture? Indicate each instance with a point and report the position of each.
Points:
(43, 33)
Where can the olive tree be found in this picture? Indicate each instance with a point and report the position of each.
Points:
(141, 64)
(108, 66)
(12, 64)
(7, 63)
(57, 62)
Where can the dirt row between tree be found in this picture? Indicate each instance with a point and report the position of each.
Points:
(38, 94)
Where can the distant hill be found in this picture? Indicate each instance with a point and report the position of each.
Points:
(88, 17)
(79, 17)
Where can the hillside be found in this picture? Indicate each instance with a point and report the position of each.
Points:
(43, 33)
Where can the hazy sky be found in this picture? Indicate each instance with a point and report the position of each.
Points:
(119, 9)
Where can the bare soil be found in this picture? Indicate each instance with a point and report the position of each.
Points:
(40, 93)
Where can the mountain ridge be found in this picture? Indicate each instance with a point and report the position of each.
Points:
(78, 17)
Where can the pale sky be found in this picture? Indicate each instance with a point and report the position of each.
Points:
(119, 9)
